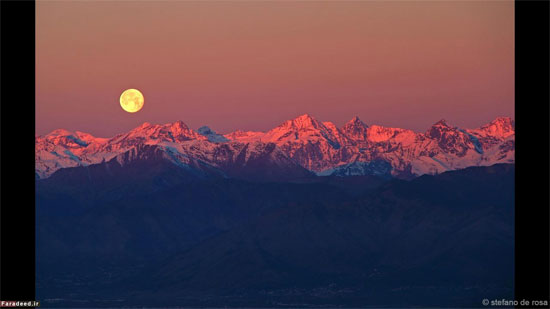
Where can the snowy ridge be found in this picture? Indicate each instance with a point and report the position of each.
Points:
(304, 142)
(211, 135)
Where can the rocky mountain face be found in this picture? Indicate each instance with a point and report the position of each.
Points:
(299, 146)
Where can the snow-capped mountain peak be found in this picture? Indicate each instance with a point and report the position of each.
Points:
(67, 139)
(302, 128)
(302, 141)
(377, 134)
(172, 132)
(500, 127)
(211, 135)
(439, 129)
(89, 138)
(59, 132)
(244, 136)
(355, 129)
(302, 122)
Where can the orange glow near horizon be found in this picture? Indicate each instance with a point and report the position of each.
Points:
(251, 65)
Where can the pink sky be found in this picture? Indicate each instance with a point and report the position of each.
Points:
(251, 65)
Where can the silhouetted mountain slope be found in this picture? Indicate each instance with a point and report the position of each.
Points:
(116, 218)
(453, 230)
(178, 216)
(444, 240)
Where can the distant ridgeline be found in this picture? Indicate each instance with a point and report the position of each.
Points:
(147, 228)
(302, 147)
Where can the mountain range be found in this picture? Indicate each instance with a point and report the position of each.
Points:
(304, 215)
(300, 147)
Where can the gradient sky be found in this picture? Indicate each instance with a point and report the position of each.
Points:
(251, 65)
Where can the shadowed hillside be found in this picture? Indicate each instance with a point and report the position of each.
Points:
(433, 241)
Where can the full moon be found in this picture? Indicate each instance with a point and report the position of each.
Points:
(131, 100)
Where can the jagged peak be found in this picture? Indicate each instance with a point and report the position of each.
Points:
(317, 139)
(441, 128)
(177, 124)
(59, 132)
(170, 125)
(329, 124)
(441, 123)
(205, 130)
(178, 127)
(304, 117)
(212, 135)
(503, 121)
(334, 130)
(89, 138)
(146, 126)
(500, 127)
(173, 131)
(355, 129)
(355, 121)
(302, 121)
(86, 135)
(67, 138)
